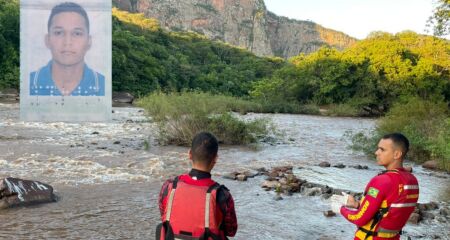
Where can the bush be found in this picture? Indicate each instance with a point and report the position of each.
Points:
(181, 115)
(426, 123)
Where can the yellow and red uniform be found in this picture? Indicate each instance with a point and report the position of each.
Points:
(389, 199)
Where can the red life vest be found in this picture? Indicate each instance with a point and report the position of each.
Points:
(191, 211)
(396, 209)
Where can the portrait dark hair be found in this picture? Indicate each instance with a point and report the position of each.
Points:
(400, 141)
(204, 148)
(68, 7)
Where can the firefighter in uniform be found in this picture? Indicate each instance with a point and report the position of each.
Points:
(389, 198)
(192, 205)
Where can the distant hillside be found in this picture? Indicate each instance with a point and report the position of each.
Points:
(243, 23)
(147, 58)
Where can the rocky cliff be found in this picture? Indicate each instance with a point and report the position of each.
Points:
(243, 23)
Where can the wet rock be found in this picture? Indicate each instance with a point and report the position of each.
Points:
(277, 197)
(250, 174)
(445, 211)
(116, 142)
(19, 192)
(283, 181)
(122, 97)
(361, 167)
(295, 187)
(270, 184)
(428, 215)
(231, 176)
(339, 165)
(324, 164)
(95, 133)
(315, 191)
(431, 164)
(102, 148)
(241, 177)
(428, 206)
(141, 111)
(441, 219)
(261, 170)
(414, 218)
(329, 213)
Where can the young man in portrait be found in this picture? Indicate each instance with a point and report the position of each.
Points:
(68, 40)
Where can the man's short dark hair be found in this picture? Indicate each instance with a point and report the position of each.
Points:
(68, 7)
(400, 141)
(204, 148)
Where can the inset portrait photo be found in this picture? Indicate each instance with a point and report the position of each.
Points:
(65, 60)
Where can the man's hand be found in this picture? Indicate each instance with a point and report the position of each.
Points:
(351, 202)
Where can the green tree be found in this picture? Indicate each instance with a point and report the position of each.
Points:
(440, 20)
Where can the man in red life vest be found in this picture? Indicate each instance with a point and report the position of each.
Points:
(389, 198)
(192, 205)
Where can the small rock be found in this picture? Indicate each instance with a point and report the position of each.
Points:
(428, 215)
(329, 213)
(414, 218)
(445, 211)
(95, 133)
(241, 177)
(324, 164)
(431, 164)
(277, 197)
(103, 148)
(295, 187)
(94, 143)
(231, 175)
(270, 184)
(250, 174)
(283, 181)
(116, 142)
(339, 165)
(315, 191)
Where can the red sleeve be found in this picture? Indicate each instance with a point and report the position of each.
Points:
(163, 196)
(230, 224)
(376, 192)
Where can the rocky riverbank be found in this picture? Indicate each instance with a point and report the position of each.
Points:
(284, 182)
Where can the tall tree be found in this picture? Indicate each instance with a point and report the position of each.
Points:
(440, 20)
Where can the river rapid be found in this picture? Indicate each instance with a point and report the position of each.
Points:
(108, 176)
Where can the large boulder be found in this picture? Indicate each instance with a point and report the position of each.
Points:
(18, 192)
(122, 97)
(431, 164)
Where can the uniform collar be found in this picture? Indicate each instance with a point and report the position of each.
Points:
(199, 174)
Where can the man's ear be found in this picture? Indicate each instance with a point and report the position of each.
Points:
(398, 154)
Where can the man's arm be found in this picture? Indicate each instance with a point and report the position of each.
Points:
(377, 190)
(226, 204)
(163, 196)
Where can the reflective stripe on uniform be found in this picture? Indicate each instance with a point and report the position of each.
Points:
(363, 235)
(169, 206)
(402, 205)
(208, 198)
(411, 187)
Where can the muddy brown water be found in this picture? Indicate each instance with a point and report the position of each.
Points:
(108, 179)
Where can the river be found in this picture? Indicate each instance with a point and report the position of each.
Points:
(108, 177)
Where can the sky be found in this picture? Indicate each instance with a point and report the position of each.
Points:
(358, 18)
